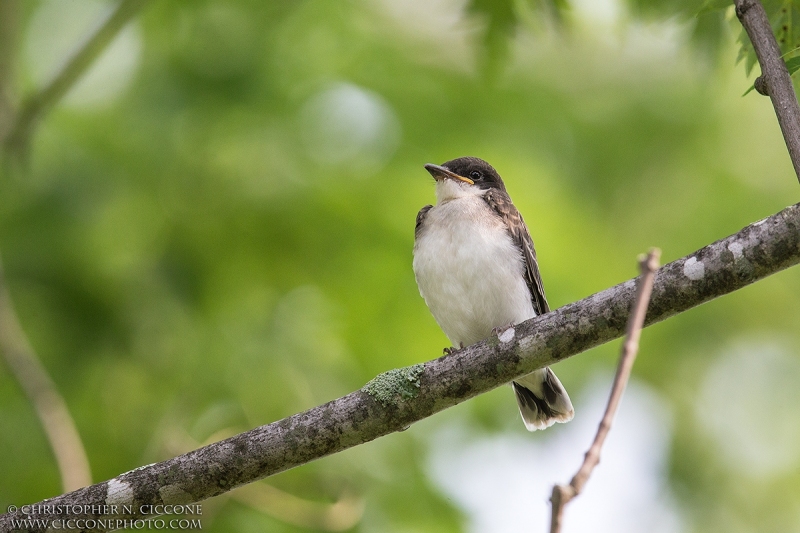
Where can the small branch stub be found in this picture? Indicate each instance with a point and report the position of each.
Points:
(761, 86)
(563, 494)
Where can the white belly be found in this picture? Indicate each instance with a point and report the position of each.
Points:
(469, 271)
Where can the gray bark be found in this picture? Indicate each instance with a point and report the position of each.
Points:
(398, 398)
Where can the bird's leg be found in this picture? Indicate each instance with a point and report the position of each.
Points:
(452, 349)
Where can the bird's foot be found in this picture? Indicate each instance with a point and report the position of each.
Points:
(500, 329)
(453, 349)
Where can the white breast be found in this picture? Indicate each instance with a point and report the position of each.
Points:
(469, 271)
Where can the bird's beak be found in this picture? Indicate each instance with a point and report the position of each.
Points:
(439, 173)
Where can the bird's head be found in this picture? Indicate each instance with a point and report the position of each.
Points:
(464, 176)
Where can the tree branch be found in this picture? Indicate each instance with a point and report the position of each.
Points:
(39, 103)
(774, 81)
(65, 441)
(398, 398)
(342, 515)
(562, 494)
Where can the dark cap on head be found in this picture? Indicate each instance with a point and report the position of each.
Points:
(479, 171)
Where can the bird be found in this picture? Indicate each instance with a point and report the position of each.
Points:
(476, 269)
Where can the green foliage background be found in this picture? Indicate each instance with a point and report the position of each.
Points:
(185, 263)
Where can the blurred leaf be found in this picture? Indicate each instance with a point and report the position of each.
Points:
(711, 32)
(784, 15)
(499, 18)
(715, 4)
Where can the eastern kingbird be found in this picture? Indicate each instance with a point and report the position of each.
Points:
(476, 268)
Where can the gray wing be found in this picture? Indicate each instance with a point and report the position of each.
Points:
(420, 219)
(500, 202)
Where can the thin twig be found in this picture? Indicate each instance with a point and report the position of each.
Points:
(774, 80)
(40, 389)
(40, 103)
(562, 494)
(9, 23)
(398, 398)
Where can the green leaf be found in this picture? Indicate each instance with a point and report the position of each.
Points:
(793, 65)
(712, 5)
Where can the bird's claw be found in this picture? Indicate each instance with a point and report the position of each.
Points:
(453, 349)
(500, 329)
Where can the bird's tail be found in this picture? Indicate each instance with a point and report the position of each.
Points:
(542, 400)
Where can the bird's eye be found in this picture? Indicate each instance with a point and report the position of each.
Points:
(475, 175)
